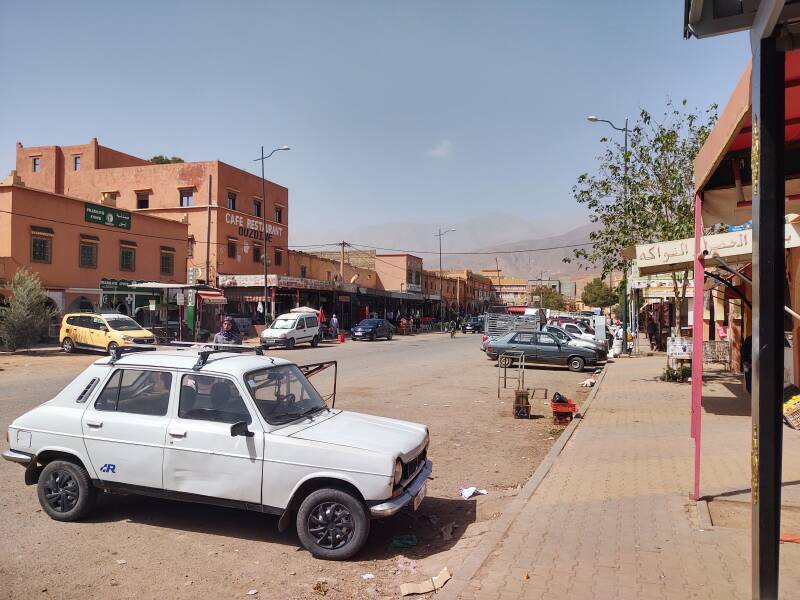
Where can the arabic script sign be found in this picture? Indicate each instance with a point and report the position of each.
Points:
(103, 215)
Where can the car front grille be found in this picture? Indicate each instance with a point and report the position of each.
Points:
(144, 340)
(415, 464)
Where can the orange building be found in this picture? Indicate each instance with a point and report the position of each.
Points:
(222, 205)
(83, 250)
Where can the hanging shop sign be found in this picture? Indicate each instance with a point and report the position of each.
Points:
(679, 347)
(104, 215)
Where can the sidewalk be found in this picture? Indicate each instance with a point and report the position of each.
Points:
(613, 519)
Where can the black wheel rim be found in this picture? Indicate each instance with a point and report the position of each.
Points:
(61, 491)
(331, 525)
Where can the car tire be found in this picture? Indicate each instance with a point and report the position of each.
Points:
(68, 345)
(332, 524)
(65, 491)
(576, 364)
(389, 336)
(290, 344)
(112, 346)
(315, 341)
(372, 337)
(505, 361)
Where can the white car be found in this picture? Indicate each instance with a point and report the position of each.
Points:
(225, 428)
(291, 329)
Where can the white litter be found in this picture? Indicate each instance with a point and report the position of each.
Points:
(122, 562)
(469, 492)
(367, 576)
(252, 592)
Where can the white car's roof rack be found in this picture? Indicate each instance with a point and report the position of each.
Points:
(206, 350)
(116, 353)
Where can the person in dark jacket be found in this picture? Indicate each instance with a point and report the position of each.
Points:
(652, 328)
(747, 363)
(229, 333)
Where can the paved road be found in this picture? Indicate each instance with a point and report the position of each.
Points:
(180, 550)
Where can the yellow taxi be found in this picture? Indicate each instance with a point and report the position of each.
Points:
(102, 331)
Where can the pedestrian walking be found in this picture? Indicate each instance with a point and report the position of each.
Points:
(333, 326)
(228, 333)
(651, 333)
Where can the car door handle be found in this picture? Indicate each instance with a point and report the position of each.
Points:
(178, 433)
(93, 423)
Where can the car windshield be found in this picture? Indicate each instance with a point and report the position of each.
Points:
(368, 323)
(283, 324)
(123, 324)
(564, 337)
(283, 394)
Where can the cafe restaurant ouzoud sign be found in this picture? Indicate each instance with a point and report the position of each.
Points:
(104, 215)
(252, 227)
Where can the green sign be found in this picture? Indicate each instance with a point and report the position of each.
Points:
(111, 217)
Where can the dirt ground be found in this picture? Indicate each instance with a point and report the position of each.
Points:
(136, 547)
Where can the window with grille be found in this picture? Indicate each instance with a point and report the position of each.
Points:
(40, 249)
(167, 260)
(187, 198)
(257, 207)
(88, 254)
(127, 259)
(231, 248)
(76, 163)
(36, 164)
(231, 200)
(279, 214)
(143, 200)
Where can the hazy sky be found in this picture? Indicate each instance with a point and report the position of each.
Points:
(396, 111)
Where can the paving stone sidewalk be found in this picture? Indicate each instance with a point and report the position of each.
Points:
(613, 519)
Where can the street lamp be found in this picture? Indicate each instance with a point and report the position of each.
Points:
(265, 255)
(593, 119)
(439, 234)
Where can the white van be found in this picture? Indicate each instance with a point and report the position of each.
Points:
(291, 329)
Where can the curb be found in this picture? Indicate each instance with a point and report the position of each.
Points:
(478, 557)
(704, 515)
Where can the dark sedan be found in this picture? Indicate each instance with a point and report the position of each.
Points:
(539, 347)
(371, 329)
(472, 325)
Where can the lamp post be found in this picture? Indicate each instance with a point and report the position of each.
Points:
(265, 253)
(593, 119)
(440, 234)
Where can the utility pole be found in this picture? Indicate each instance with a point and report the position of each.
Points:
(439, 234)
(497, 265)
(341, 263)
(265, 254)
(208, 235)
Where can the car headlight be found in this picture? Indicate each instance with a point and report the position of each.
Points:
(398, 472)
(127, 338)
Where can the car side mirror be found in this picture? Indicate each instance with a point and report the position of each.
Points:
(240, 428)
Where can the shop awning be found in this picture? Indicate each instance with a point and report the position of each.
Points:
(211, 297)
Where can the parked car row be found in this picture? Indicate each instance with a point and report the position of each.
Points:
(551, 345)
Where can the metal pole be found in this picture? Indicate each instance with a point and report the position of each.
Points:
(625, 267)
(441, 294)
(769, 274)
(265, 252)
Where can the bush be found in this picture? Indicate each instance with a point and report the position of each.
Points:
(28, 313)
(681, 374)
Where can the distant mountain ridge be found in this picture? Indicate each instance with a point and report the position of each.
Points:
(487, 234)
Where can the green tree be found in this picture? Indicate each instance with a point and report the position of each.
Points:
(28, 313)
(548, 298)
(597, 293)
(160, 159)
(659, 204)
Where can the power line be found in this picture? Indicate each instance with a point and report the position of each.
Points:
(483, 253)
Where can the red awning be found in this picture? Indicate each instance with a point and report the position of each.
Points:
(211, 297)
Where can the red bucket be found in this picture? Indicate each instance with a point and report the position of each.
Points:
(341, 338)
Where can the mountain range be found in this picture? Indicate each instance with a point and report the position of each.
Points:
(499, 237)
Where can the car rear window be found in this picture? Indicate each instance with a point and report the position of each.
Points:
(136, 391)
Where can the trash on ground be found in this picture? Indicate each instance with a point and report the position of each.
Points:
(121, 562)
(321, 587)
(791, 538)
(447, 530)
(367, 576)
(429, 585)
(252, 592)
(469, 492)
(588, 382)
(598, 371)
(403, 541)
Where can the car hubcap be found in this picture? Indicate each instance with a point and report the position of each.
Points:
(61, 491)
(67, 345)
(331, 524)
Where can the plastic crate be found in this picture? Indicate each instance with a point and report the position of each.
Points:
(791, 410)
